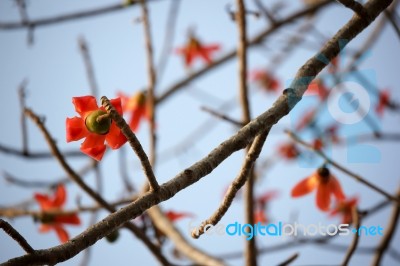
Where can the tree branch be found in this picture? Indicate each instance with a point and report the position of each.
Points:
(16, 236)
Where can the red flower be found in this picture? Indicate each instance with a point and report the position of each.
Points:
(345, 208)
(318, 88)
(175, 216)
(55, 222)
(137, 105)
(384, 100)
(95, 130)
(288, 150)
(326, 185)
(194, 48)
(318, 144)
(265, 80)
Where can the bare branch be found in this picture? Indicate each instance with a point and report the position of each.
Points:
(353, 246)
(68, 17)
(389, 234)
(16, 236)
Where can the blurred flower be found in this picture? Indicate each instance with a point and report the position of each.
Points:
(307, 120)
(318, 144)
(194, 48)
(174, 216)
(331, 133)
(326, 185)
(55, 222)
(345, 209)
(384, 100)
(137, 106)
(95, 126)
(318, 88)
(265, 80)
(288, 150)
(334, 65)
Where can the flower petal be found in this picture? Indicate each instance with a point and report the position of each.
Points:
(117, 104)
(76, 129)
(43, 200)
(305, 186)
(67, 219)
(137, 115)
(94, 146)
(61, 233)
(336, 188)
(44, 228)
(323, 198)
(84, 104)
(60, 196)
(115, 139)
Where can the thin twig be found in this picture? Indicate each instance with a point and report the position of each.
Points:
(22, 104)
(236, 185)
(25, 19)
(16, 236)
(356, 7)
(34, 183)
(163, 224)
(267, 14)
(69, 16)
(343, 169)
(168, 37)
(250, 245)
(151, 73)
(353, 246)
(389, 15)
(390, 232)
(133, 141)
(87, 60)
(289, 260)
(222, 116)
(36, 154)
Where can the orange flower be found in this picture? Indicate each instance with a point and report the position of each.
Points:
(318, 88)
(175, 216)
(94, 125)
(288, 151)
(326, 185)
(194, 48)
(55, 222)
(265, 80)
(345, 208)
(137, 105)
(384, 101)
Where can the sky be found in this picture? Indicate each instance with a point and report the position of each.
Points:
(55, 72)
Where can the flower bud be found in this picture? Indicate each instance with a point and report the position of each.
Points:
(113, 236)
(97, 124)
